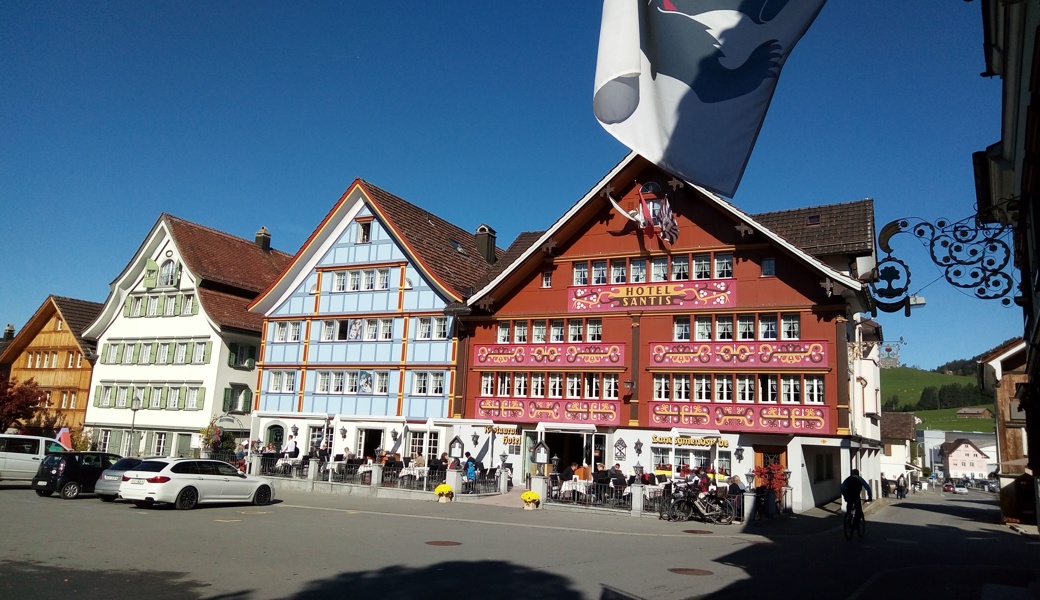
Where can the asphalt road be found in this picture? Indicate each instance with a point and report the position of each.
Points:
(332, 546)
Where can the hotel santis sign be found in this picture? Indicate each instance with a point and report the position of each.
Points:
(664, 295)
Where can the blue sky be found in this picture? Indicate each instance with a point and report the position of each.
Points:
(237, 115)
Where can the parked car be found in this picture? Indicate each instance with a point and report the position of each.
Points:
(993, 486)
(21, 455)
(71, 473)
(187, 482)
(107, 486)
(960, 488)
(947, 487)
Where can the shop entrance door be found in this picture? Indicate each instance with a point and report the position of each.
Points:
(369, 440)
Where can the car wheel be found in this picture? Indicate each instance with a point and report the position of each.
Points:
(107, 498)
(262, 496)
(143, 503)
(43, 493)
(70, 490)
(187, 499)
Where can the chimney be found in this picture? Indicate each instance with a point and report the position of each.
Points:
(263, 239)
(485, 238)
(9, 332)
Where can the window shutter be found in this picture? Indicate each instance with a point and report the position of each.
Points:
(162, 397)
(155, 352)
(232, 359)
(201, 400)
(227, 399)
(178, 304)
(177, 279)
(195, 305)
(103, 359)
(189, 353)
(171, 350)
(151, 272)
(135, 352)
(146, 401)
(126, 306)
(160, 305)
(247, 400)
(119, 353)
(97, 395)
(182, 398)
(115, 441)
(206, 353)
(148, 437)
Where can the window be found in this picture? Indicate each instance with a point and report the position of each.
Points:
(538, 332)
(146, 354)
(637, 270)
(659, 269)
(382, 383)
(58, 324)
(745, 327)
(425, 329)
(282, 381)
(503, 332)
(792, 389)
(153, 306)
(723, 388)
(813, 389)
(121, 395)
(791, 326)
(69, 366)
(294, 332)
(164, 354)
(703, 333)
(767, 389)
(599, 272)
(746, 388)
(47, 360)
(702, 387)
(520, 332)
(339, 281)
(174, 399)
(281, 331)
(581, 273)
(421, 381)
(681, 388)
(128, 355)
(681, 329)
(351, 382)
(573, 385)
(64, 399)
(555, 385)
(106, 396)
(354, 281)
(364, 234)
(594, 330)
(546, 279)
(383, 279)
(724, 328)
(661, 387)
(767, 327)
(135, 310)
(106, 435)
(170, 306)
(368, 279)
(519, 385)
(487, 384)
(503, 383)
(592, 385)
(702, 266)
(437, 383)
(156, 399)
(167, 272)
(557, 331)
(189, 304)
(72, 400)
(324, 383)
(537, 385)
(371, 328)
(723, 266)
(574, 330)
(386, 329)
(199, 353)
(610, 386)
(617, 271)
(192, 401)
(680, 268)
(159, 449)
(768, 267)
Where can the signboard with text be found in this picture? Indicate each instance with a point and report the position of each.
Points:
(780, 355)
(665, 295)
(797, 419)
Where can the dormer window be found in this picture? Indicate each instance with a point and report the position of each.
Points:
(812, 220)
(167, 273)
(364, 235)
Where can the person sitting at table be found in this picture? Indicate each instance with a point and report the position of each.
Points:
(418, 460)
(601, 476)
(617, 476)
(736, 486)
(568, 473)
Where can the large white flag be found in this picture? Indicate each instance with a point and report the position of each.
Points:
(686, 83)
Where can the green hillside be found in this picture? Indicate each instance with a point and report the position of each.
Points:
(907, 383)
(945, 419)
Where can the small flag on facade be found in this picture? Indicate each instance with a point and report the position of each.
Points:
(669, 226)
(64, 437)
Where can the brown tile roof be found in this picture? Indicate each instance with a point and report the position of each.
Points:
(222, 258)
(521, 243)
(431, 241)
(78, 315)
(844, 228)
(898, 426)
(236, 267)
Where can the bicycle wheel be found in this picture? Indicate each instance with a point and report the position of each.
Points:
(682, 510)
(847, 525)
(664, 504)
(862, 528)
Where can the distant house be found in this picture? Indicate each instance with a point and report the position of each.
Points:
(974, 413)
(897, 435)
(963, 459)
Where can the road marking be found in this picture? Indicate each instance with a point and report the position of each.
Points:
(228, 520)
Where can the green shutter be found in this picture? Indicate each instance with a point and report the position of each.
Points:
(232, 359)
(155, 352)
(146, 402)
(115, 441)
(195, 305)
(177, 304)
(171, 351)
(248, 397)
(206, 353)
(119, 353)
(97, 395)
(160, 305)
(103, 359)
(201, 400)
(162, 397)
(181, 399)
(189, 353)
(227, 399)
(151, 273)
(177, 275)
(148, 436)
(135, 352)
(126, 306)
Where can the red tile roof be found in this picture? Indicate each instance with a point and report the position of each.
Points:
(844, 228)
(898, 426)
(78, 315)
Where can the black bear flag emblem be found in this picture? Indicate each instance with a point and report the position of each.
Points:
(687, 83)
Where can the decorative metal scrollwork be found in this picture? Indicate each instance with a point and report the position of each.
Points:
(972, 255)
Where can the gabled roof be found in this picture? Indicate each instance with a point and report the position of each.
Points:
(76, 314)
(843, 228)
(950, 447)
(593, 195)
(522, 242)
(222, 258)
(446, 254)
(1004, 350)
(898, 426)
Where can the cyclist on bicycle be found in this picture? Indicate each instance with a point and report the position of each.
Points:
(852, 488)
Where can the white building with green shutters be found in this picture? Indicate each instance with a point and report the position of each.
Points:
(175, 340)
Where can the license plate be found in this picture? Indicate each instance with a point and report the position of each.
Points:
(41, 483)
(112, 478)
(137, 481)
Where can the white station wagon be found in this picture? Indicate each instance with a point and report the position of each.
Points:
(186, 482)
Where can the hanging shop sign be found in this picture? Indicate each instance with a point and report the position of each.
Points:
(705, 442)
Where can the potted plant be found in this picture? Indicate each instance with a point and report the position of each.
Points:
(774, 481)
(531, 500)
(444, 493)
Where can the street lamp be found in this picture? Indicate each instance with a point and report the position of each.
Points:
(135, 405)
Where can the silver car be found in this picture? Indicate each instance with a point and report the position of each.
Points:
(107, 486)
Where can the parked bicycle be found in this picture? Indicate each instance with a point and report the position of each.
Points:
(681, 501)
(855, 521)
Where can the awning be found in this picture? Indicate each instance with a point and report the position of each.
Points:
(911, 467)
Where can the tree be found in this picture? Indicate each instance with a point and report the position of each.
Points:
(18, 402)
(929, 399)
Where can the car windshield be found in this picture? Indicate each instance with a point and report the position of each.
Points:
(153, 466)
(125, 464)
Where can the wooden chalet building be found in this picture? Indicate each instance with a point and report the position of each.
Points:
(731, 347)
(51, 350)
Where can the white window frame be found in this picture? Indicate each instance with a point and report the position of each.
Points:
(618, 271)
(153, 306)
(159, 444)
(281, 331)
(724, 266)
(503, 332)
(637, 270)
(294, 331)
(383, 279)
(791, 389)
(505, 384)
(538, 332)
(724, 388)
(519, 385)
(610, 386)
(814, 389)
(680, 268)
(173, 398)
(702, 387)
(580, 272)
(745, 327)
(724, 328)
(681, 387)
(574, 330)
(339, 281)
(546, 279)
(425, 331)
(198, 355)
(163, 354)
(662, 386)
(790, 326)
(520, 332)
(537, 385)
(170, 306)
(555, 385)
(573, 385)
(745, 389)
(188, 306)
(594, 330)
(420, 383)
(386, 329)
(767, 327)
(659, 269)
(353, 281)
(191, 401)
(487, 384)
(599, 272)
(681, 329)
(768, 392)
(556, 332)
(702, 328)
(382, 383)
(167, 272)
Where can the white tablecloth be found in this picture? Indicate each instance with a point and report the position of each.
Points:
(417, 472)
(575, 486)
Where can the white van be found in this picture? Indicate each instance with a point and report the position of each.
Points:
(21, 455)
